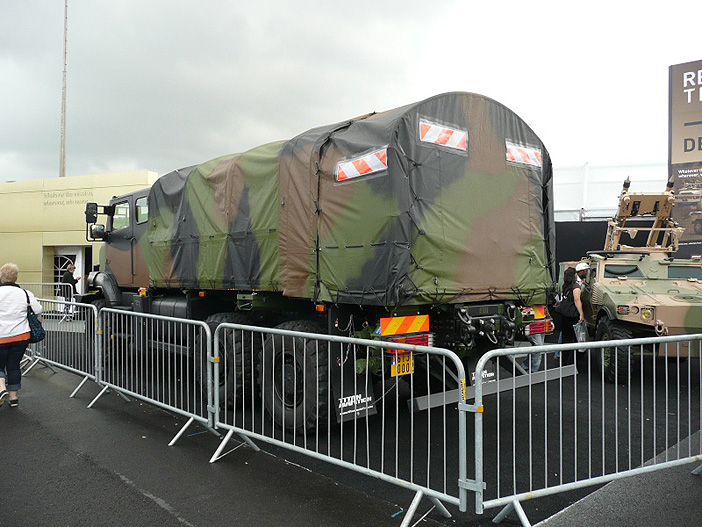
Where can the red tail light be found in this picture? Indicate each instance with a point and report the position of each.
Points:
(419, 339)
(539, 327)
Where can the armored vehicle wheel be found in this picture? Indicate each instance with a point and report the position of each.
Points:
(615, 362)
(294, 379)
(236, 366)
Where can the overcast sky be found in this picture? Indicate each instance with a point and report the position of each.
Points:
(162, 84)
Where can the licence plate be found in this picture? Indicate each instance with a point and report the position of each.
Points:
(402, 364)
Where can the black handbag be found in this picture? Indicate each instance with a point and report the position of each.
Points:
(37, 331)
(567, 306)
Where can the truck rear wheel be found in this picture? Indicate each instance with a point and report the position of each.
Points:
(294, 377)
(614, 361)
(237, 354)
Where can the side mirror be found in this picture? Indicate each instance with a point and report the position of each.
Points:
(91, 212)
(97, 232)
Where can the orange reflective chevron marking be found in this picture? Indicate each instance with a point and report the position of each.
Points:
(441, 135)
(523, 155)
(362, 166)
(539, 312)
(404, 325)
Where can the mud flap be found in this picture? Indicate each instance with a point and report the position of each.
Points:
(352, 392)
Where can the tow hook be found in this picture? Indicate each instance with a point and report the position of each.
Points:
(509, 329)
(661, 330)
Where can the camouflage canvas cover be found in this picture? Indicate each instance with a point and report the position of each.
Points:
(446, 200)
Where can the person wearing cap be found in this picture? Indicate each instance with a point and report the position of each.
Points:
(581, 273)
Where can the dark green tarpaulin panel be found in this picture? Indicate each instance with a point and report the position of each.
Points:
(218, 227)
(446, 200)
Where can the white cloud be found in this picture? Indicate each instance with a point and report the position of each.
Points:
(156, 84)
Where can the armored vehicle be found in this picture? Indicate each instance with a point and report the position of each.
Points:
(695, 218)
(641, 291)
(689, 195)
(440, 211)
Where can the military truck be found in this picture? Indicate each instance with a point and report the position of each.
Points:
(641, 291)
(440, 211)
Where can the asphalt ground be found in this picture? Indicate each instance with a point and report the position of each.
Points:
(68, 465)
(65, 464)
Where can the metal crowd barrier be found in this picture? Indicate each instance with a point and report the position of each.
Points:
(70, 339)
(286, 388)
(573, 432)
(49, 290)
(159, 360)
(536, 432)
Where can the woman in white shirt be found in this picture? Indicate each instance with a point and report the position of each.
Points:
(14, 331)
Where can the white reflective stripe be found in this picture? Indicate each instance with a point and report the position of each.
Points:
(362, 166)
(522, 154)
(442, 135)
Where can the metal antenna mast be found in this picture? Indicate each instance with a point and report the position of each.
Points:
(62, 162)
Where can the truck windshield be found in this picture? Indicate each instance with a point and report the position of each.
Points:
(120, 219)
(142, 209)
(680, 271)
(615, 271)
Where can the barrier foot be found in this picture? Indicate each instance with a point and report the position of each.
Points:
(217, 455)
(249, 442)
(412, 509)
(516, 507)
(98, 396)
(440, 506)
(73, 394)
(127, 399)
(181, 431)
(698, 470)
(29, 368)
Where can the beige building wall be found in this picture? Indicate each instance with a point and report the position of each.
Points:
(39, 218)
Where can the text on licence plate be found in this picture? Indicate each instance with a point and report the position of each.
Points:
(402, 364)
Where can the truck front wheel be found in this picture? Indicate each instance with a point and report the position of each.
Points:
(294, 377)
(615, 361)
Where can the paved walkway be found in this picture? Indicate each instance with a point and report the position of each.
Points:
(64, 464)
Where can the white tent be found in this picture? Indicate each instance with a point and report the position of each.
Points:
(590, 192)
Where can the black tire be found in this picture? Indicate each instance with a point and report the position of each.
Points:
(697, 227)
(293, 373)
(237, 368)
(616, 362)
(118, 349)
